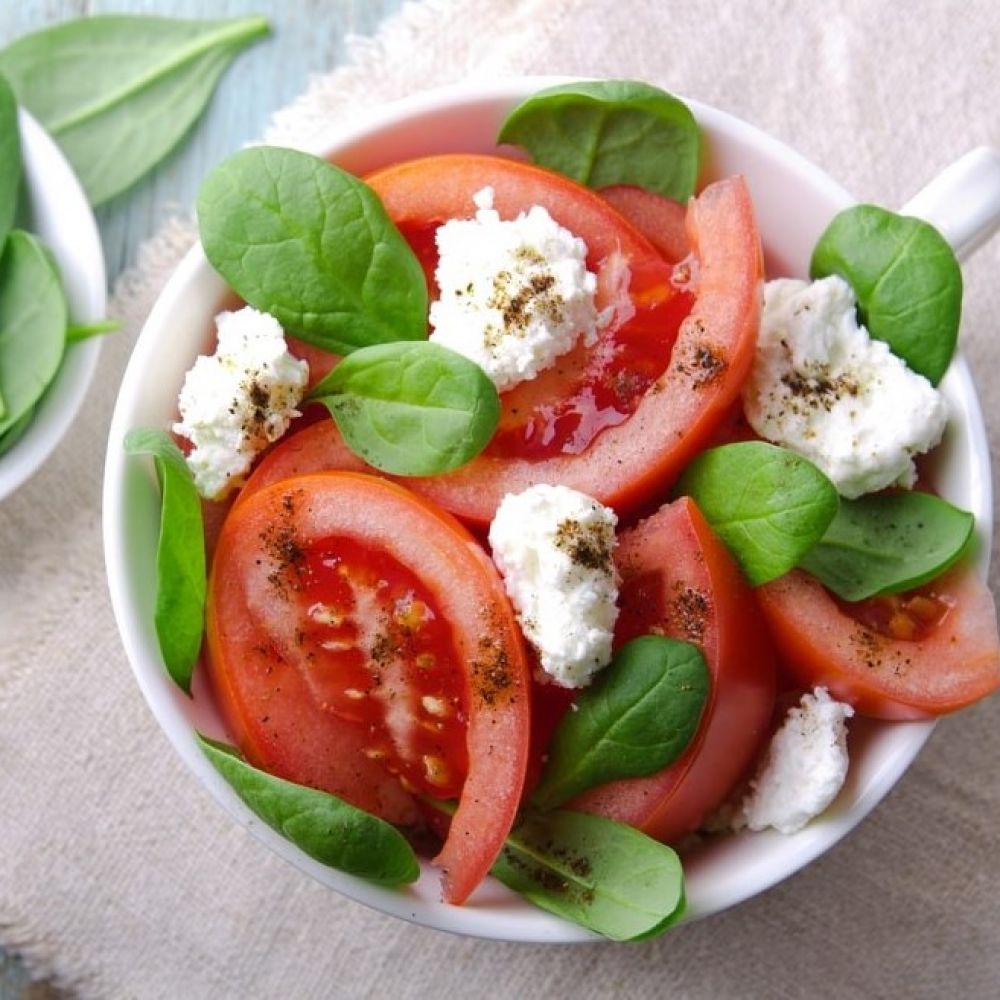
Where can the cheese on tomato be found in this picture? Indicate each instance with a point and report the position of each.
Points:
(514, 294)
(554, 547)
(238, 400)
(804, 767)
(823, 387)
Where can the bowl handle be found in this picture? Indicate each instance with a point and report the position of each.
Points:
(963, 201)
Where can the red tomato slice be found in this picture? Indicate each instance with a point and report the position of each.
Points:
(952, 659)
(345, 656)
(662, 221)
(626, 451)
(679, 580)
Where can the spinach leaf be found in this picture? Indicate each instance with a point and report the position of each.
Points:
(411, 409)
(638, 717)
(10, 160)
(610, 132)
(769, 505)
(319, 824)
(119, 92)
(888, 543)
(906, 278)
(308, 243)
(179, 614)
(15, 432)
(83, 331)
(603, 875)
(32, 325)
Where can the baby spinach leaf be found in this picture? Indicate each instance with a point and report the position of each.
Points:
(769, 505)
(603, 875)
(15, 432)
(308, 243)
(411, 409)
(32, 325)
(125, 88)
(10, 160)
(83, 331)
(179, 614)
(319, 824)
(638, 717)
(906, 278)
(888, 543)
(610, 132)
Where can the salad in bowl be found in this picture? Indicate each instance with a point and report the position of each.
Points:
(568, 516)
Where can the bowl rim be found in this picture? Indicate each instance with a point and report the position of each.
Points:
(72, 235)
(476, 918)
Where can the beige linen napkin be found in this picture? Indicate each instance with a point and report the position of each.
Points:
(119, 877)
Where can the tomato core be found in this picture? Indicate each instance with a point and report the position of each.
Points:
(912, 616)
(380, 654)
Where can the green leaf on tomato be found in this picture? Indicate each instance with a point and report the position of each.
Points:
(305, 241)
(321, 825)
(603, 875)
(179, 612)
(640, 715)
(769, 505)
(888, 543)
(411, 409)
(610, 132)
(906, 278)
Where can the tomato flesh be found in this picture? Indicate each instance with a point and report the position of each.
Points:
(914, 657)
(679, 580)
(343, 656)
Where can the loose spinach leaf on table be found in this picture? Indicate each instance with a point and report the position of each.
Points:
(322, 825)
(906, 278)
(610, 132)
(603, 875)
(412, 409)
(32, 325)
(310, 244)
(769, 505)
(119, 92)
(10, 160)
(888, 543)
(638, 717)
(179, 614)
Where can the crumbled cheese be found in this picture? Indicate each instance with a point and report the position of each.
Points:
(514, 294)
(554, 547)
(804, 768)
(238, 400)
(821, 386)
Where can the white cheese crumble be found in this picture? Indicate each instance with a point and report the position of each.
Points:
(554, 547)
(238, 400)
(821, 386)
(514, 294)
(804, 767)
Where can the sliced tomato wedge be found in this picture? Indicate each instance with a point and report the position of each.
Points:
(662, 221)
(620, 434)
(344, 656)
(679, 580)
(915, 657)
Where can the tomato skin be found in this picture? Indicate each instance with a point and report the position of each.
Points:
(820, 644)
(631, 464)
(259, 670)
(679, 580)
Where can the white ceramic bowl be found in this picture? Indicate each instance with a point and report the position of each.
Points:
(794, 201)
(61, 217)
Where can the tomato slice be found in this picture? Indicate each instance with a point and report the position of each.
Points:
(679, 580)
(637, 433)
(345, 656)
(884, 668)
(661, 220)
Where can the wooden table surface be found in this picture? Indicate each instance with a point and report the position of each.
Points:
(308, 37)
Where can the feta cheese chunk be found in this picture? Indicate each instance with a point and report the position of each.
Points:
(804, 768)
(238, 400)
(821, 386)
(514, 295)
(554, 548)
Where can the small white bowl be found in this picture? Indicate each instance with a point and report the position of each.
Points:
(794, 201)
(60, 216)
